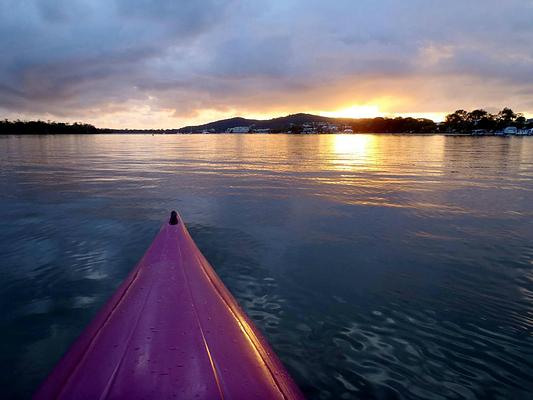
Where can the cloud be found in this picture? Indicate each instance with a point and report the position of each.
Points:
(179, 61)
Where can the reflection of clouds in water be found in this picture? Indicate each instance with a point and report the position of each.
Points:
(83, 301)
(96, 275)
(37, 306)
(88, 263)
(47, 305)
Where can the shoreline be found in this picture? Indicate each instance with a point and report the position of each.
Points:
(268, 134)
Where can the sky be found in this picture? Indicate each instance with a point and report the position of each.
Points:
(171, 63)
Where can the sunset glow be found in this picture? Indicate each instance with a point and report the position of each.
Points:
(355, 111)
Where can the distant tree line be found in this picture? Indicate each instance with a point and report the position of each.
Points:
(44, 128)
(464, 121)
(394, 125)
(370, 125)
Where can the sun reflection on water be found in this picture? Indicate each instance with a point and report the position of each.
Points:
(353, 151)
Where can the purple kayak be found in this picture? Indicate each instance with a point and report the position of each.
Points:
(171, 331)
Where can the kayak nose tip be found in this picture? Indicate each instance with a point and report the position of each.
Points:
(173, 218)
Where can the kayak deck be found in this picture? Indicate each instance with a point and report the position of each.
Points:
(171, 330)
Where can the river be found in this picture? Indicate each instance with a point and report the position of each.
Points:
(377, 266)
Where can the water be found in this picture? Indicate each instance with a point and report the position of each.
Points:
(377, 266)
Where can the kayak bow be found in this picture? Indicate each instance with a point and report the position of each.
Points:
(171, 330)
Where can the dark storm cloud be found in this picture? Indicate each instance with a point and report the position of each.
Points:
(53, 53)
(70, 58)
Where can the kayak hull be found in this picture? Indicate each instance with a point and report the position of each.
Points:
(171, 330)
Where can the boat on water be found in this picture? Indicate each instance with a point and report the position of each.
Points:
(171, 331)
(510, 130)
(524, 132)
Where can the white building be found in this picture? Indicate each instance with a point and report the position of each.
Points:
(510, 130)
(330, 128)
(238, 129)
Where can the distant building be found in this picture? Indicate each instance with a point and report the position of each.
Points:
(330, 128)
(348, 130)
(261, 130)
(238, 129)
(510, 130)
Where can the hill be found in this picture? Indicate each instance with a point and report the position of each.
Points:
(274, 124)
(298, 122)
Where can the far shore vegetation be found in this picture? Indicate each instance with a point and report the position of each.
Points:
(481, 120)
(44, 128)
(476, 122)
